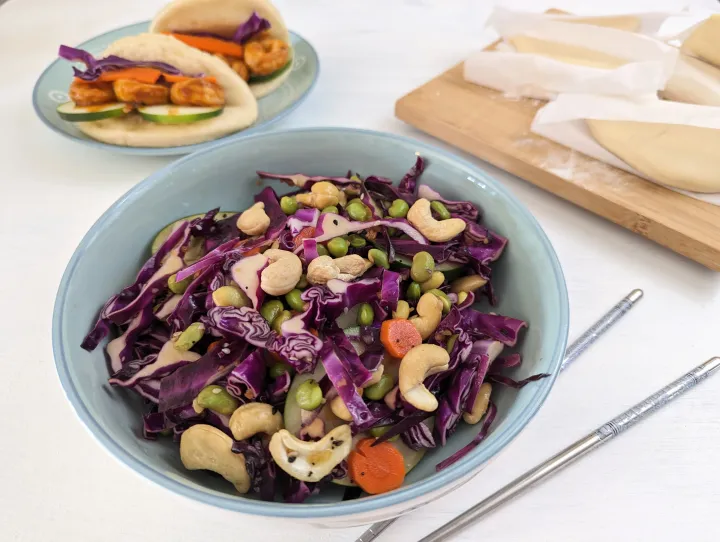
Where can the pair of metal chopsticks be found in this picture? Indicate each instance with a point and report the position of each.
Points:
(573, 351)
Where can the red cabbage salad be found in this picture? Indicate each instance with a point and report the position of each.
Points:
(325, 336)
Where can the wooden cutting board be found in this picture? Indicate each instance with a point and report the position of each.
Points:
(496, 129)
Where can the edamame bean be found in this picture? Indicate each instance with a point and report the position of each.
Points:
(402, 310)
(278, 368)
(230, 296)
(357, 211)
(379, 390)
(288, 204)
(444, 298)
(303, 282)
(309, 395)
(365, 315)
(330, 209)
(451, 343)
(399, 209)
(414, 291)
(435, 281)
(422, 267)
(271, 309)
(378, 257)
(280, 319)
(337, 247)
(217, 399)
(188, 338)
(321, 250)
(380, 430)
(357, 242)
(178, 287)
(440, 210)
(293, 299)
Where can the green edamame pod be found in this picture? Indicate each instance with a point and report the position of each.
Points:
(337, 247)
(414, 291)
(303, 282)
(379, 258)
(309, 395)
(294, 300)
(217, 399)
(190, 336)
(357, 211)
(178, 287)
(278, 368)
(451, 343)
(289, 205)
(357, 241)
(399, 209)
(271, 309)
(365, 315)
(444, 298)
(280, 319)
(440, 210)
(422, 267)
(379, 390)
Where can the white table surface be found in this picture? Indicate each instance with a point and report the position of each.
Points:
(660, 481)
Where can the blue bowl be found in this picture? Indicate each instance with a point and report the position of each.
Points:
(52, 86)
(528, 280)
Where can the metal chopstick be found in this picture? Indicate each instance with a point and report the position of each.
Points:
(582, 343)
(575, 451)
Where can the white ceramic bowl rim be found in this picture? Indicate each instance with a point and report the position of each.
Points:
(477, 457)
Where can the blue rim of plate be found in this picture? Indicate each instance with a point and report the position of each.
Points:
(441, 480)
(184, 149)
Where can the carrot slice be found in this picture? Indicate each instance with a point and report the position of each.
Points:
(398, 336)
(141, 75)
(211, 45)
(376, 469)
(213, 345)
(177, 78)
(306, 233)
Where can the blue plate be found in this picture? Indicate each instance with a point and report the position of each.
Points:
(52, 86)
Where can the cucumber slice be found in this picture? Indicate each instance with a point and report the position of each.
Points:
(178, 114)
(292, 417)
(273, 75)
(73, 113)
(164, 233)
(451, 270)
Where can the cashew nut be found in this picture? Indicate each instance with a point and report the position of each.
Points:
(283, 273)
(321, 270)
(324, 268)
(340, 409)
(352, 264)
(420, 362)
(253, 418)
(204, 447)
(254, 221)
(429, 310)
(310, 461)
(481, 404)
(437, 231)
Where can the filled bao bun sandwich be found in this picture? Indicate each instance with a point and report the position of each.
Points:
(151, 90)
(248, 35)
